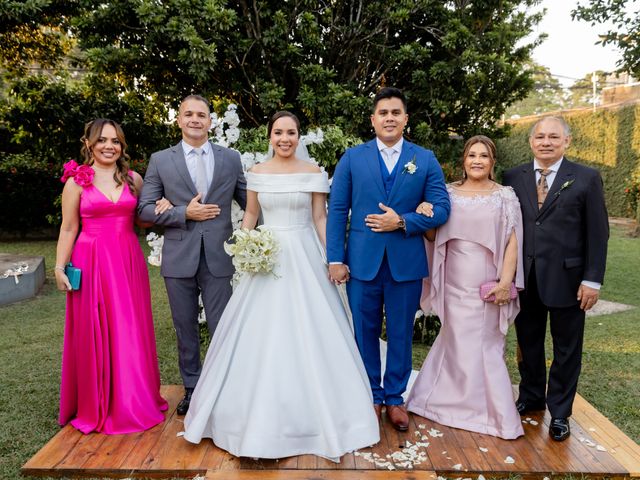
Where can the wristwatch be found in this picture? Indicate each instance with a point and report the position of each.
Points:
(402, 224)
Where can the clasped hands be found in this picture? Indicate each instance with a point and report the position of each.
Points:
(377, 222)
(195, 210)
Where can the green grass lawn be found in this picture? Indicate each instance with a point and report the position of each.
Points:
(31, 341)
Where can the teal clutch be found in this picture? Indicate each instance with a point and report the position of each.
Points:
(73, 274)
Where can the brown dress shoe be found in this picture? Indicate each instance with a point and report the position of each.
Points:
(378, 409)
(398, 416)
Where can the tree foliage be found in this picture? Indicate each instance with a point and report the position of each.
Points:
(460, 62)
(546, 95)
(625, 32)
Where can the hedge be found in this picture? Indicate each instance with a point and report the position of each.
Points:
(608, 139)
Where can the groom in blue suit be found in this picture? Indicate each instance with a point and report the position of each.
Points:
(382, 182)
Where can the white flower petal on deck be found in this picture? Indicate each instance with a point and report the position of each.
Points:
(457, 466)
(509, 459)
(600, 448)
(482, 449)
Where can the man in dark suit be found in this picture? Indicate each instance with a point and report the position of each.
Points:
(565, 249)
(200, 179)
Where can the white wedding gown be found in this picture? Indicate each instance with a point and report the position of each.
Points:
(283, 375)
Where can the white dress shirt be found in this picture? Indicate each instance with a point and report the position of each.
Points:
(390, 155)
(191, 158)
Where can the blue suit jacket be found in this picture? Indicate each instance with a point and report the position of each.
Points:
(357, 187)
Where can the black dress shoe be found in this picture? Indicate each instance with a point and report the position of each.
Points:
(524, 407)
(183, 406)
(559, 429)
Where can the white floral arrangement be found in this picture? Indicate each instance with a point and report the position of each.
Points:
(155, 241)
(253, 251)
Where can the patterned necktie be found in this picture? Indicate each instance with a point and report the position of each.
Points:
(201, 173)
(543, 186)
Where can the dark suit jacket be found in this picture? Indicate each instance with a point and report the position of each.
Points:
(168, 176)
(567, 238)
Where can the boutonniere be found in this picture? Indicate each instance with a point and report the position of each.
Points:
(410, 167)
(566, 184)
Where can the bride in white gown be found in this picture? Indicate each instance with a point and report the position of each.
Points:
(283, 375)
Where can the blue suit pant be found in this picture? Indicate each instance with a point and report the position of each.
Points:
(398, 302)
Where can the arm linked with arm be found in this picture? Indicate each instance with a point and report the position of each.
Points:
(435, 192)
(152, 191)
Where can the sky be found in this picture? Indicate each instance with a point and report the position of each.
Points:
(570, 50)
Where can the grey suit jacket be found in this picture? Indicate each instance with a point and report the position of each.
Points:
(167, 176)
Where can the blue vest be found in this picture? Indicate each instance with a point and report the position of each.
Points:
(387, 178)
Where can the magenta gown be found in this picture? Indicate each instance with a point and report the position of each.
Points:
(464, 382)
(110, 376)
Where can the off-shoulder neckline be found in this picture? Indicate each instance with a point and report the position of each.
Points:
(283, 174)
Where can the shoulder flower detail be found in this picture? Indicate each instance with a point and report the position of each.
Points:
(82, 174)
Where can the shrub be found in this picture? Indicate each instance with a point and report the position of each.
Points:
(30, 186)
(608, 140)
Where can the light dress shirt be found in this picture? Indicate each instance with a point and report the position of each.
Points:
(550, 178)
(191, 158)
(390, 155)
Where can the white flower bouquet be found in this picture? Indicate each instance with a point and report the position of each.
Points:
(253, 251)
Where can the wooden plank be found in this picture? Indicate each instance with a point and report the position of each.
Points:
(88, 446)
(45, 461)
(557, 455)
(320, 475)
(414, 426)
(598, 427)
(159, 453)
(478, 460)
(347, 462)
(112, 452)
(307, 462)
(147, 447)
(444, 452)
(289, 463)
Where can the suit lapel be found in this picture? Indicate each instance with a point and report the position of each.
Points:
(528, 180)
(371, 158)
(405, 156)
(565, 174)
(177, 155)
(218, 169)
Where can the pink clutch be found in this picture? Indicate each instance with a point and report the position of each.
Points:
(486, 287)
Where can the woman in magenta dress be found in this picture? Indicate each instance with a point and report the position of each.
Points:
(110, 376)
(464, 382)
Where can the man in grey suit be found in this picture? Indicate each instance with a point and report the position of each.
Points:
(200, 179)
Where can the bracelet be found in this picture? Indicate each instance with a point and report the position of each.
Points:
(58, 267)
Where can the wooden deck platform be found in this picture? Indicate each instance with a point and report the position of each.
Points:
(596, 448)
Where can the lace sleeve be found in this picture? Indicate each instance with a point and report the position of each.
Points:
(511, 210)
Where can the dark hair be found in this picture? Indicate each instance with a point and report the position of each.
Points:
(491, 148)
(280, 114)
(389, 92)
(92, 133)
(200, 98)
